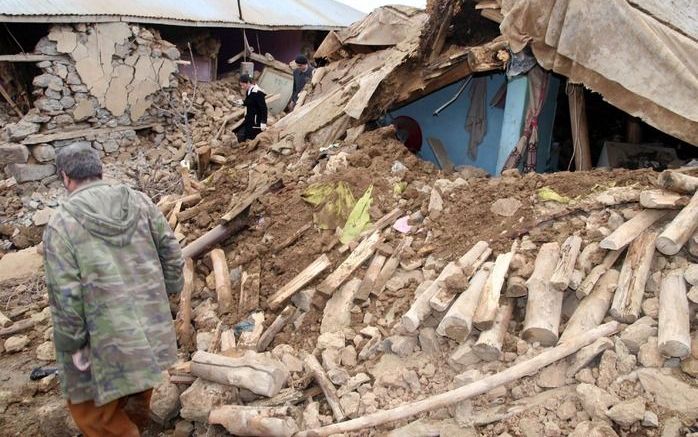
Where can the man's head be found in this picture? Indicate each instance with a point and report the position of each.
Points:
(246, 82)
(302, 63)
(78, 164)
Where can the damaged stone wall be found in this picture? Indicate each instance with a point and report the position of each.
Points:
(102, 82)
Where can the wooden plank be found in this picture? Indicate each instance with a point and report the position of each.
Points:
(236, 57)
(245, 203)
(69, 135)
(440, 153)
(627, 299)
(312, 364)
(374, 270)
(487, 4)
(303, 278)
(273, 63)
(661, 199)
(391, 265)
(276, 326)
(492, 14)
(293, 238)
(249, 288)
(628, 231)
(360, 255)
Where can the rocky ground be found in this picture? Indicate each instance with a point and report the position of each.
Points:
(628, 389)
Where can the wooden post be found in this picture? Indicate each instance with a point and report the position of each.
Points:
(587, 285)
(224, 293)
(661, 199)
(565, 265)
(276, 326)
(629, 230)
(633, 277)
(680, 229)
(674, 324)
(593, 308)
(303, 278)
(580, 131)
(458, 321)
(544, 304)
(254, 421)
(484, 385)
(249, 288)
(489, 345)
(486, 311)
(312, 364)
(183, 325)
(678, 182)
(421, 309)
(362, 253)
(469, 263)
(372, 273)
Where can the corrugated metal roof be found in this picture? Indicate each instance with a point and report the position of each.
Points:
(260, 14)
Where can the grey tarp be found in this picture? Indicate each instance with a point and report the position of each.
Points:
(638, 60)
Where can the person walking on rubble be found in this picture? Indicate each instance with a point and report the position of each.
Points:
(256, 115)
(301, 75)
(110, 260)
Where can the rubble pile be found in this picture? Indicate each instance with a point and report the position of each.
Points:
(100, 84)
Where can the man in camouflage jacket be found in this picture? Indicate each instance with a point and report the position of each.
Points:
(110, 260)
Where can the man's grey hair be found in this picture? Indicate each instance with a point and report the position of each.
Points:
(79, 161)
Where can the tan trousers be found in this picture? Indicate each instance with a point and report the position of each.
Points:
(123, 417)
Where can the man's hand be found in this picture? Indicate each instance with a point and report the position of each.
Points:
(262, 126)
(81, 359)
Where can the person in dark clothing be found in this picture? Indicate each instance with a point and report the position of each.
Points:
(256, 115)
(301, 75)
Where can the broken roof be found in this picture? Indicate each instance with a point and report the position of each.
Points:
(269, 14)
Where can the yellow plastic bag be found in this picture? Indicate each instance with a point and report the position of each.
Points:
(548, 194)
(333, 203)
(359, 218)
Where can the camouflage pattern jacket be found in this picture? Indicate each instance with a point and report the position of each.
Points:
(110, 259)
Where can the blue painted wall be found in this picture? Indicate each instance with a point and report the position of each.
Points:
(504, 126)
(449, 126)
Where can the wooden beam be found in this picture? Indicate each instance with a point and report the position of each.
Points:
(298, 282)
(48, 137)
(483, 385)
(580, 130)
(441, 155)
(276, 326)
(360, 255)
(312, 364)
(31, 57)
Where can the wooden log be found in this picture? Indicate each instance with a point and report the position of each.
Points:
(516, 287)
(391, 265)
(580, 131)
(250, 339)
(544, 304)
(677, 233)
(254, 421)
(4, 321)
(421, 308)
(203, 155)
(633, 277)
(483, 385)
(172, 221)
(593, 308)
(674, 334)
(258, 373)
(224, 292)
(629, 230)
(590, 280)
(486, 311)
(17, 327)
(249, 288)
(468, 263)
(216, 235)
(303, 278)
(661, 199)
(276, 326)
(458, 321)
(187, 201)
(489, 345)
(359, 256)
(565, 265)
(314, 367)
(678, 182)
(371, 276)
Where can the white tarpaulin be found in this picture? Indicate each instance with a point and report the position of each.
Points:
(628, 51)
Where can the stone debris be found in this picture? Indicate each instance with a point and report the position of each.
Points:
(16, 343)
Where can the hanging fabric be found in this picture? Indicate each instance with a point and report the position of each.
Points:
(476, 121)
(527, 146)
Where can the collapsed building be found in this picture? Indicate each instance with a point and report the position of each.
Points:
(383, 261)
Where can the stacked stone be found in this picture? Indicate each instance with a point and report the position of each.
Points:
(77, 91)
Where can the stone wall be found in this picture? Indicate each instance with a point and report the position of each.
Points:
(105, 80)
